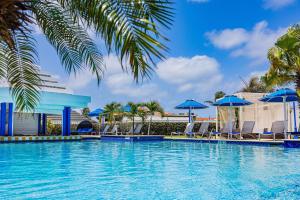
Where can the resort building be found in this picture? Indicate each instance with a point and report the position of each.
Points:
(55, 99)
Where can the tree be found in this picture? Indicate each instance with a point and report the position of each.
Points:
(218, 95)
(85, 112)
(111, 110)
(131, 29)
(134, 110)
(153, 107)
(256, 85)
(284, 58)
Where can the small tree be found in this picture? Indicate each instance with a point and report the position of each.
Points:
(111, 110)
(85, 112)
(153, 107)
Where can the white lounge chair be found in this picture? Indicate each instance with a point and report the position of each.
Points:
(203, 130)
(187, 131)
(104, 132)
(138, 129)
(114, 130)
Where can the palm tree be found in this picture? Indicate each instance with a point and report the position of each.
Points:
(153, 107)
(85, 112)
(284, 58)
(111, 110)
(134, 110)
(256, 85)
(218, 95)
(129, 28)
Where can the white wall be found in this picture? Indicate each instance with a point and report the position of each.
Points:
(25, 124)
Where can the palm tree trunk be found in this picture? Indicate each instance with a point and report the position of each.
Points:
(297, 84)
(149, 125)
(132, 125)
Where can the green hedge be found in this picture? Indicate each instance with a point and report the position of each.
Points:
(157, 128)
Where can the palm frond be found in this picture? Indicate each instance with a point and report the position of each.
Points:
(22, 73)
(73, 45)
(130, 27)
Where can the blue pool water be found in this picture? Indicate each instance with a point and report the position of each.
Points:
(149, 170)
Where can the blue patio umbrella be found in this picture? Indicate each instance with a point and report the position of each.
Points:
(191, 104)
(283, 95)
(126, 108)
(231, 101)
(96, 113)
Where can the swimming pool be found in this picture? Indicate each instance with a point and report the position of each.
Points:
(147, 170)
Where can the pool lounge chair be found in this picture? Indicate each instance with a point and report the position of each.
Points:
(104, 132)
(113, 130)
(224, 130)
(247, 130)
(83, 131)
(277, 128)
(203, 130)
(138, 129)
(187, 131)
(131, 131)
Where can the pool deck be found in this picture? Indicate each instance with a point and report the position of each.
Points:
(39, 138)
(289, 143)
(132, 138)
(243, 142)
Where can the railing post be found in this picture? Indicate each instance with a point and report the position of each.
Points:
(10, 119)
(3, 119)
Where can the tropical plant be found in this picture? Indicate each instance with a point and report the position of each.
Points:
(153, 107)
(284, 58)
(111, 110)
(129, 28)
(133, 112)
(85, 112)
(218, 95)
(256, 85)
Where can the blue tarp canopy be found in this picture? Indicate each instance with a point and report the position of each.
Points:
(231, 100)
(96, 113)
(279, 95)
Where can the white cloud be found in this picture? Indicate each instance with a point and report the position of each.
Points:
(197, 73)
(277, 4)
(253, 44)
(122, 83)
(228, 38)
(80, 80)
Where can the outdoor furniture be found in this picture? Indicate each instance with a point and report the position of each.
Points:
(138, 129)
(84, 127)
(203, 129)
(113, 130)
(276, 129)
(131, 131)
(188, 129)
(247, 130)
(224, 130)
(104, 132)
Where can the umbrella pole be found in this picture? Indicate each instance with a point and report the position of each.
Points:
(189, 114)
(285, 117)
(295, 118)
(230, 121)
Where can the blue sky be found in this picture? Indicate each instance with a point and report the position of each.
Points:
(212, 44)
